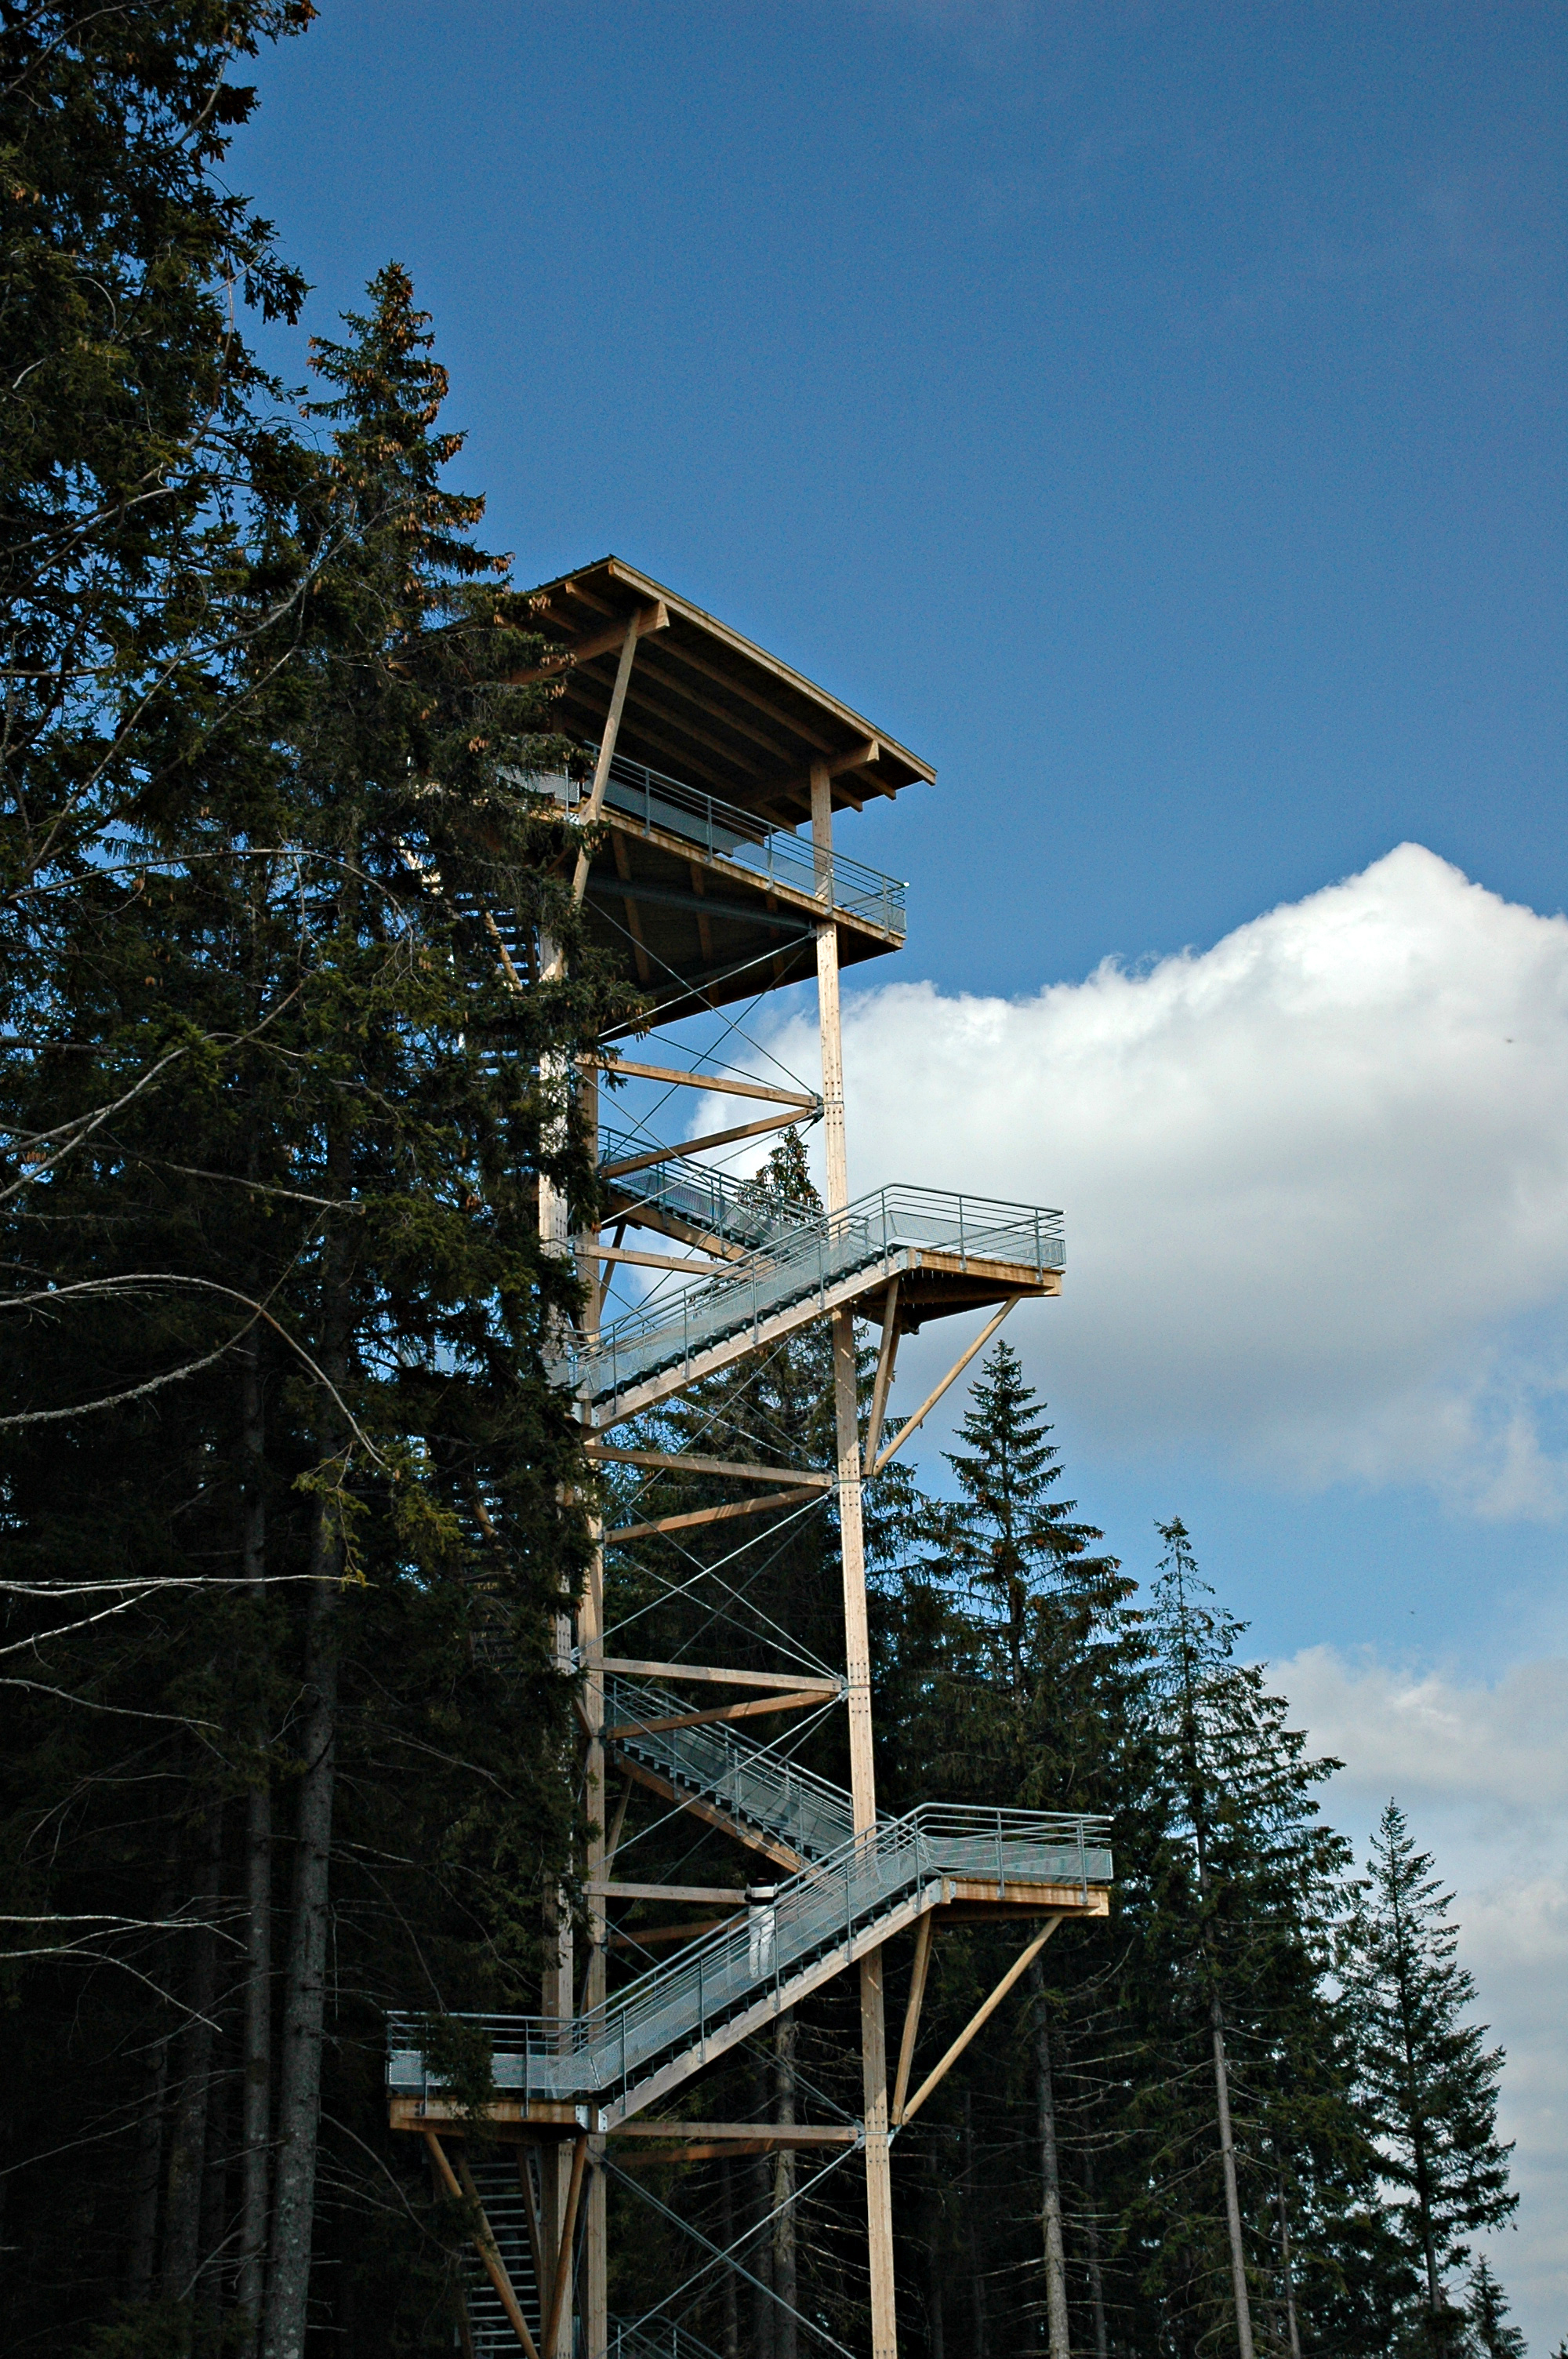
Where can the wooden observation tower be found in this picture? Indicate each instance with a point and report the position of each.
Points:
(718, 778)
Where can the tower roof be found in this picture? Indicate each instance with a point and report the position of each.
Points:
(708, 704)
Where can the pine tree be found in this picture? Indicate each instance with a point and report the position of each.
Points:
(1427, 2083)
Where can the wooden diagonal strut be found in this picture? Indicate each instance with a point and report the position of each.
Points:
(563, 2270)
(484, 2238)
(977, 2021)
(801, 1700)
(911, 2012)
(885, 1359)
(953, 1372)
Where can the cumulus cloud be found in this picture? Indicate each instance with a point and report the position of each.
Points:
(1482, 1775)
(1315, 1179)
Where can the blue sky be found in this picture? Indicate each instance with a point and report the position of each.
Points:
(1153, 414)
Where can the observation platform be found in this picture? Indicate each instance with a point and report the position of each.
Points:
(949, 1253)
(701, 884)
(652, 2036)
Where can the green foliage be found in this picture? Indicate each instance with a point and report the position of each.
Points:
(1427, 2083)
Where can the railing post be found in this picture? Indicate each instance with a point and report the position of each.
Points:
(1000, 1878)
(963, 1253)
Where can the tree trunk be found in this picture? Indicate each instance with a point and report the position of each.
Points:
(304, 1986)
(786, 2341)
(142, 2256)
(934, 2282)
(978, 2344)
(1232, 2193)
(255, 2071)
(305, 1982)
(1292, 2332)
(1058, 2341)
(182, 2215)
(729, 2284)
(1091, 2238)
(763, 2266)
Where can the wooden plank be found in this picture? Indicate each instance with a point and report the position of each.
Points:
(977, 2022)
(733, 2137)
(695, 1145)
(757, 1707)
(645, 1260)
(911, 2012)
(687, 1462)
(718, 1082)
(633, 1667)
(647, 1937)
(953, 1372)
(696, 1892)
(625, 1532)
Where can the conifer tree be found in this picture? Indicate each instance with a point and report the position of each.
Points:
(1487, 2318)
(1427, 2083)
(298, 1384)
(1241, 1896)
(1034, 1667)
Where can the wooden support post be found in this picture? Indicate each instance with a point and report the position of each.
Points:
(838, 1194)
(596, 2250)
(978, 2020)
(607, 747)
(883, 1385)
(953, 1372)
(911, 2012)
(856, 1636)
(484, 2241)
(557, 2342)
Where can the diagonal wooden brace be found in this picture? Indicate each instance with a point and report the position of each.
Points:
(484, 2239)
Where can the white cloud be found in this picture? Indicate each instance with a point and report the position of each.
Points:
(1482, 1776)
(1315, 1178)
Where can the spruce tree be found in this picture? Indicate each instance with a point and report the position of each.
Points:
(1022, 1639)
(1427, 2083)
(298, 1323)
(1487, 2318)
(1244, 2086)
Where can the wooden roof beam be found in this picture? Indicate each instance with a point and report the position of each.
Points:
(678, 652)
(604, 643)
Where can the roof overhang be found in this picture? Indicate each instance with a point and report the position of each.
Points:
(704, 703)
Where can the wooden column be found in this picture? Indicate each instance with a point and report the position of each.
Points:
(595, 2249)
(857, 1635)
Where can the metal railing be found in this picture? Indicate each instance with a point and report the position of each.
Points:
(716, 1763)
(801, 1266)
(812, 1919)
(724, 831)
(697, 1194)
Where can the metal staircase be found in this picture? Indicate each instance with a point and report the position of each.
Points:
(669, 2023)
(747, 1787)
(705, 1202)
(806, 1268)
(500, 2191)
